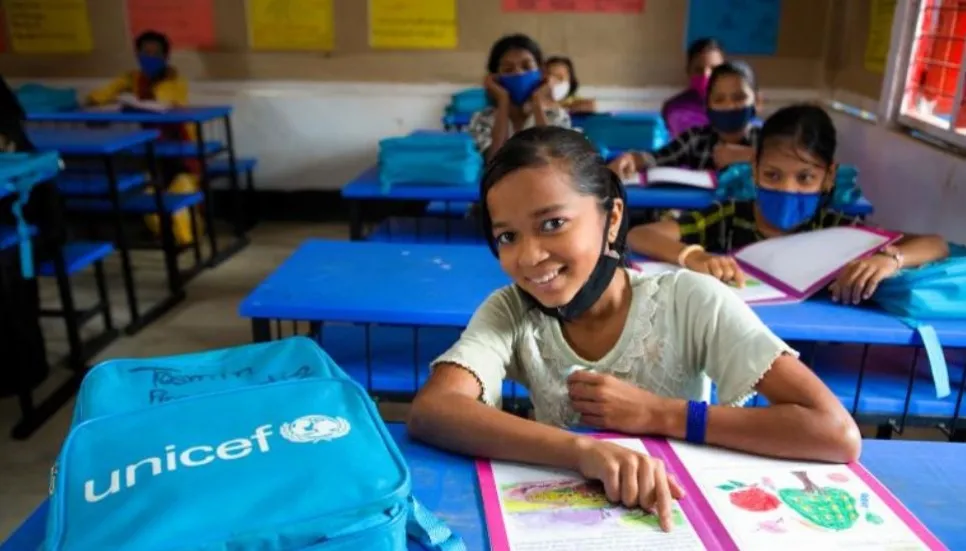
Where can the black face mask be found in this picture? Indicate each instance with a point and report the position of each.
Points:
(611, 258)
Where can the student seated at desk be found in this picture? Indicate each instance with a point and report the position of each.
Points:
(794, 171)
(688, 108)
(157, 85)
(600, 345)
(729, 138)
(564, 86)
(521, 95)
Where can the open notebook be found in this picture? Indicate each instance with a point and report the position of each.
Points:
(702, 179)
(130, 102)
(733, 501)
(794, 267)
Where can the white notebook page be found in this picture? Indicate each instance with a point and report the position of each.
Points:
(768, 504)
(683, 176)
(801, 260)
(556, 510)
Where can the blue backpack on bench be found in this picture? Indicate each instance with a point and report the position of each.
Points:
(261, 447)
(934, 291)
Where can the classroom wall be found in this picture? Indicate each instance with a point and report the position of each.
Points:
(632, 50)
(848, 32)
(914, 186)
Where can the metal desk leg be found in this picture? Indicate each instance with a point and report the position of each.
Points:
(261, 330)
(167, 234)
(355, 220)
(206, 191)
(239, 215)
(127, 271)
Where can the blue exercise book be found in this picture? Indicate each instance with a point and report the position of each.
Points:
(429, 159)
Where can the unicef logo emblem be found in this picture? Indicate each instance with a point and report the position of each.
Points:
(314, 428)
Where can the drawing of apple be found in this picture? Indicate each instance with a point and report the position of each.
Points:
(754, 499)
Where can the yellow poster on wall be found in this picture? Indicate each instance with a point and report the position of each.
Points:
(291, 25)
(49, 26)
(412, 24)
(880, 35)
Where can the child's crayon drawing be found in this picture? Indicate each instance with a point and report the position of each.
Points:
(814, 504)
(571, 502)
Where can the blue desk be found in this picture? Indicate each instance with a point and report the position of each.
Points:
(406, 298)
(366, 187)
(104, 145)
(201, 150)
(90, 142)
(181, 115)
(928, 477)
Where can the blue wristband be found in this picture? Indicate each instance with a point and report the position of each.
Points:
(697, 422)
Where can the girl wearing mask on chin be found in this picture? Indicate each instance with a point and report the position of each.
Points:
(520, 94)
(600, 345)
(156, 85)
(688, 109)
(564, 86)
(729, 138)
(794, 171)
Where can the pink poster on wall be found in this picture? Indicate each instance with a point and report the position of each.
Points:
(189, 24)
(585, 6)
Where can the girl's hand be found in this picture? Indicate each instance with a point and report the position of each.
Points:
(630, 477)
(624, 166)
(496, 90)
(724, 268)
(542, 96)
(606, 402)
(859, 279)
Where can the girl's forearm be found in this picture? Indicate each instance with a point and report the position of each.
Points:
(783, 431)
(464, 425)
(655, 244)
(921, 249)
(498, 134)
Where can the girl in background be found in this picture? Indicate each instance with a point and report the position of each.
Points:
(730, 136)
(520, 94)
(158, 85)
(794, 170)
(687, 109)
(564, 86)
(600, 345)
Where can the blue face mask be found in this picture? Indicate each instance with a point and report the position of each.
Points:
(152, 65)
(786, 210)
(521, 86)
(731, 120)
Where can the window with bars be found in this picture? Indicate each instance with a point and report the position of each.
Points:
(934, 75)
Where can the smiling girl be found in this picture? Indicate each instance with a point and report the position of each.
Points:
(555, 217)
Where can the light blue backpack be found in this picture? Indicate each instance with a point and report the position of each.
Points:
(261, 447)
(441, 159)
(935, 291)
(19, 174)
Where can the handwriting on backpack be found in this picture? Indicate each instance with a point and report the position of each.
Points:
(162, 378)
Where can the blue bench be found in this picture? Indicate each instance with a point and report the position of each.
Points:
(93, 184)
(142, 204)
(456, 209)
(222, 167)
(428, 230)
(183, 150)
(77, 257)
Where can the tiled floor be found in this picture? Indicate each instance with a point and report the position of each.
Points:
(207, 319)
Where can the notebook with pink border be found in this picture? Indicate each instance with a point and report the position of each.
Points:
(667, 175)
(733, 502)
(792, 268)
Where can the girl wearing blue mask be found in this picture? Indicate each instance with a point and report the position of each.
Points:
(794, 170)
(729, 137)
(156, 84)
(521, 97)
(600, 345)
